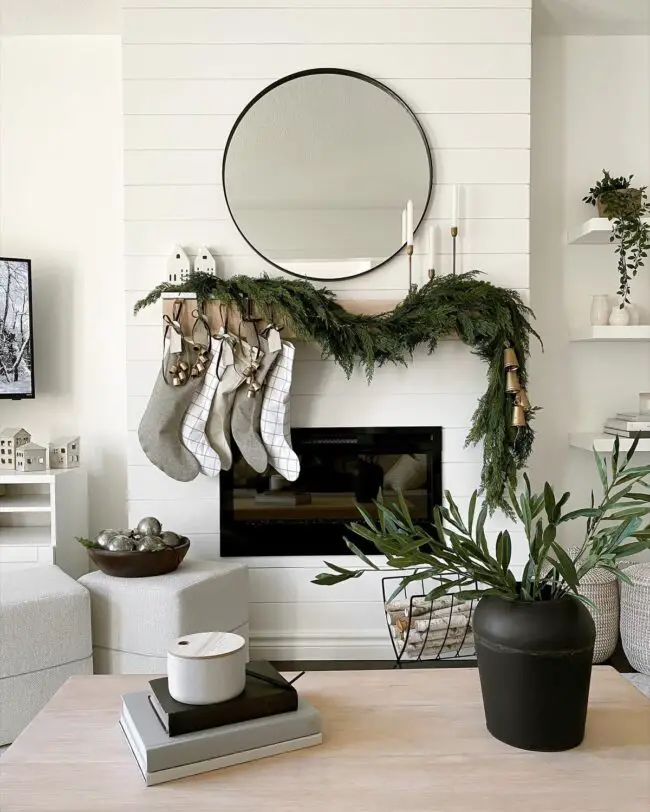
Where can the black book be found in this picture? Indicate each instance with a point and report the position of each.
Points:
(266, 693)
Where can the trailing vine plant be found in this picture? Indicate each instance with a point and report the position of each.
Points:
(626, 207)
(485, 317)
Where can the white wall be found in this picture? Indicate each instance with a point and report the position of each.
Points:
(590, 110)
(61, 206)
(188, 70)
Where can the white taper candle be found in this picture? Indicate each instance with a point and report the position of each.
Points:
(409, 222)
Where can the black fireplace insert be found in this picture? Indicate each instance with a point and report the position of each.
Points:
(340, 468)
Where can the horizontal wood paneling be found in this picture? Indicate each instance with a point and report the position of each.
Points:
(383, 62)
(424, 96)
(189, 68)
(341, 4)
(318, 25)
(159, 237)
(203, 202)
(508, 270)
(463, 130)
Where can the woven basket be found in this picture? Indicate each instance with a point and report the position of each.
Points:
(601, 588)
(635, 617)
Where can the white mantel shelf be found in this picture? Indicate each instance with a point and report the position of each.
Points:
(604, 443)
(633, 332)
(595, 231)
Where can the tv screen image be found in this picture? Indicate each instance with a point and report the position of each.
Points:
(16, 357)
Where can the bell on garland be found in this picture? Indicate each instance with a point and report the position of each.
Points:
(182, 376)
(176, 381)
(521, 399)
(173, 369)
(510, 359)
(512, 382)
(253, 388)
(518, 416)
(183, 366)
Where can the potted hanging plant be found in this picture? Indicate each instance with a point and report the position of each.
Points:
(626, 207)
(534, 634)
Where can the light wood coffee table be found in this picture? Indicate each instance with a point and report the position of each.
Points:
(404, 741)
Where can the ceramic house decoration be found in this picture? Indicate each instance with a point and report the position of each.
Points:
(10, 441)
(65, 452)
(204, 262)
(31, 457)
(178, 266)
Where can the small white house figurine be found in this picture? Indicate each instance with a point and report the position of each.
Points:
(31, 457)
(65, 452)
(10, 441)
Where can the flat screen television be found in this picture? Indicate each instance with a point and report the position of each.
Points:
(16, 350)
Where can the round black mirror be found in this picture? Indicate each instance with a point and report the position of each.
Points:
(318, 169)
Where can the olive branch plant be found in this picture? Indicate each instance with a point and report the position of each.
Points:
(455, 552)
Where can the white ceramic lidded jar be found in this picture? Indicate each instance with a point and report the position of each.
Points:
(206, 667)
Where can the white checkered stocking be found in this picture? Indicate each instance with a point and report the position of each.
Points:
(196, 417)
(275, 423)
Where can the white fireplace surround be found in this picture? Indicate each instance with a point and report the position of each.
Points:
(187, 74)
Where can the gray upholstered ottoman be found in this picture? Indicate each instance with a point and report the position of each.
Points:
(44, 639)
(135, 619)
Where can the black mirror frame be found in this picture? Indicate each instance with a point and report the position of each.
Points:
(312, 72)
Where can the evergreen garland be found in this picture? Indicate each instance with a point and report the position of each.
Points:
(485, 317)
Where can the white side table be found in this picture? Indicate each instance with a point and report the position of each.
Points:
(135, 619)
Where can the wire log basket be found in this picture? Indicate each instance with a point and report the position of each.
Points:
(422, 630)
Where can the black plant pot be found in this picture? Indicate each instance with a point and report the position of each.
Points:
(534, 661)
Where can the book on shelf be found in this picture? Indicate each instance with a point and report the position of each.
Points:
(283, 498)
(628, 425)
(643, 417)
(267, 693)
(163, 758)
(642, 435)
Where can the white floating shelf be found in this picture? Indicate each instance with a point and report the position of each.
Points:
(595, 231)
(25, 503)
(604, 443)
(633, 332)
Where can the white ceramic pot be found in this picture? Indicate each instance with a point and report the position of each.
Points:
(600, 308)
(619, 317)
(206, 667)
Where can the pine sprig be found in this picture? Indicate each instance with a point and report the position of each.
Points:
(483, 316)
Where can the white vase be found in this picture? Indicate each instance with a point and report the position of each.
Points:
(633, 311)
(619, 317)
(600, 308)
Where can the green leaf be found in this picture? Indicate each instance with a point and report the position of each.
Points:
(330, 579)
(632, 548)
(615, 453)
(602, 471)
(359, 554)
(566, 566)
(549, 501)
(480, 533)
(470, 512)
(587, 602)
(504, 550)
(580, 514)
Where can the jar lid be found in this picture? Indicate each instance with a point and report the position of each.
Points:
(206, 645)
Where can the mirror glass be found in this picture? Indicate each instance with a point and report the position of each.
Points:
(318, 169)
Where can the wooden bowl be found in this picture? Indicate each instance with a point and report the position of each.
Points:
(134, 564)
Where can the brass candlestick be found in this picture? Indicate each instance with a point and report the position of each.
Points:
(409, 253)
(454, 235)
(432, 273)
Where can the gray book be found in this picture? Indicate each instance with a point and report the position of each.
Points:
(156, 751)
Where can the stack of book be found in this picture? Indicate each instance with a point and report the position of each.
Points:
(172, 740)
(628, 424)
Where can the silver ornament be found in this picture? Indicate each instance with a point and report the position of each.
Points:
(105, 537)
(121, 544)
(149, 526)
(151, 544)
(127, 533)
(170, 539)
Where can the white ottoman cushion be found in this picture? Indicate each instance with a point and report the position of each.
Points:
(141, 615)
(44, 620)
(44, 639)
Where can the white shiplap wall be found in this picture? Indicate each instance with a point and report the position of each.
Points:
(188, 70)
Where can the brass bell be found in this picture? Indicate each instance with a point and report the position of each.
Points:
(518, 416)
(182, 376)
(173, 369)
(184, 366)
(521, 399)
(512, 382)
(199, 367)
(204, 356)
(176, 381)
(510, 359)
(194, 372)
